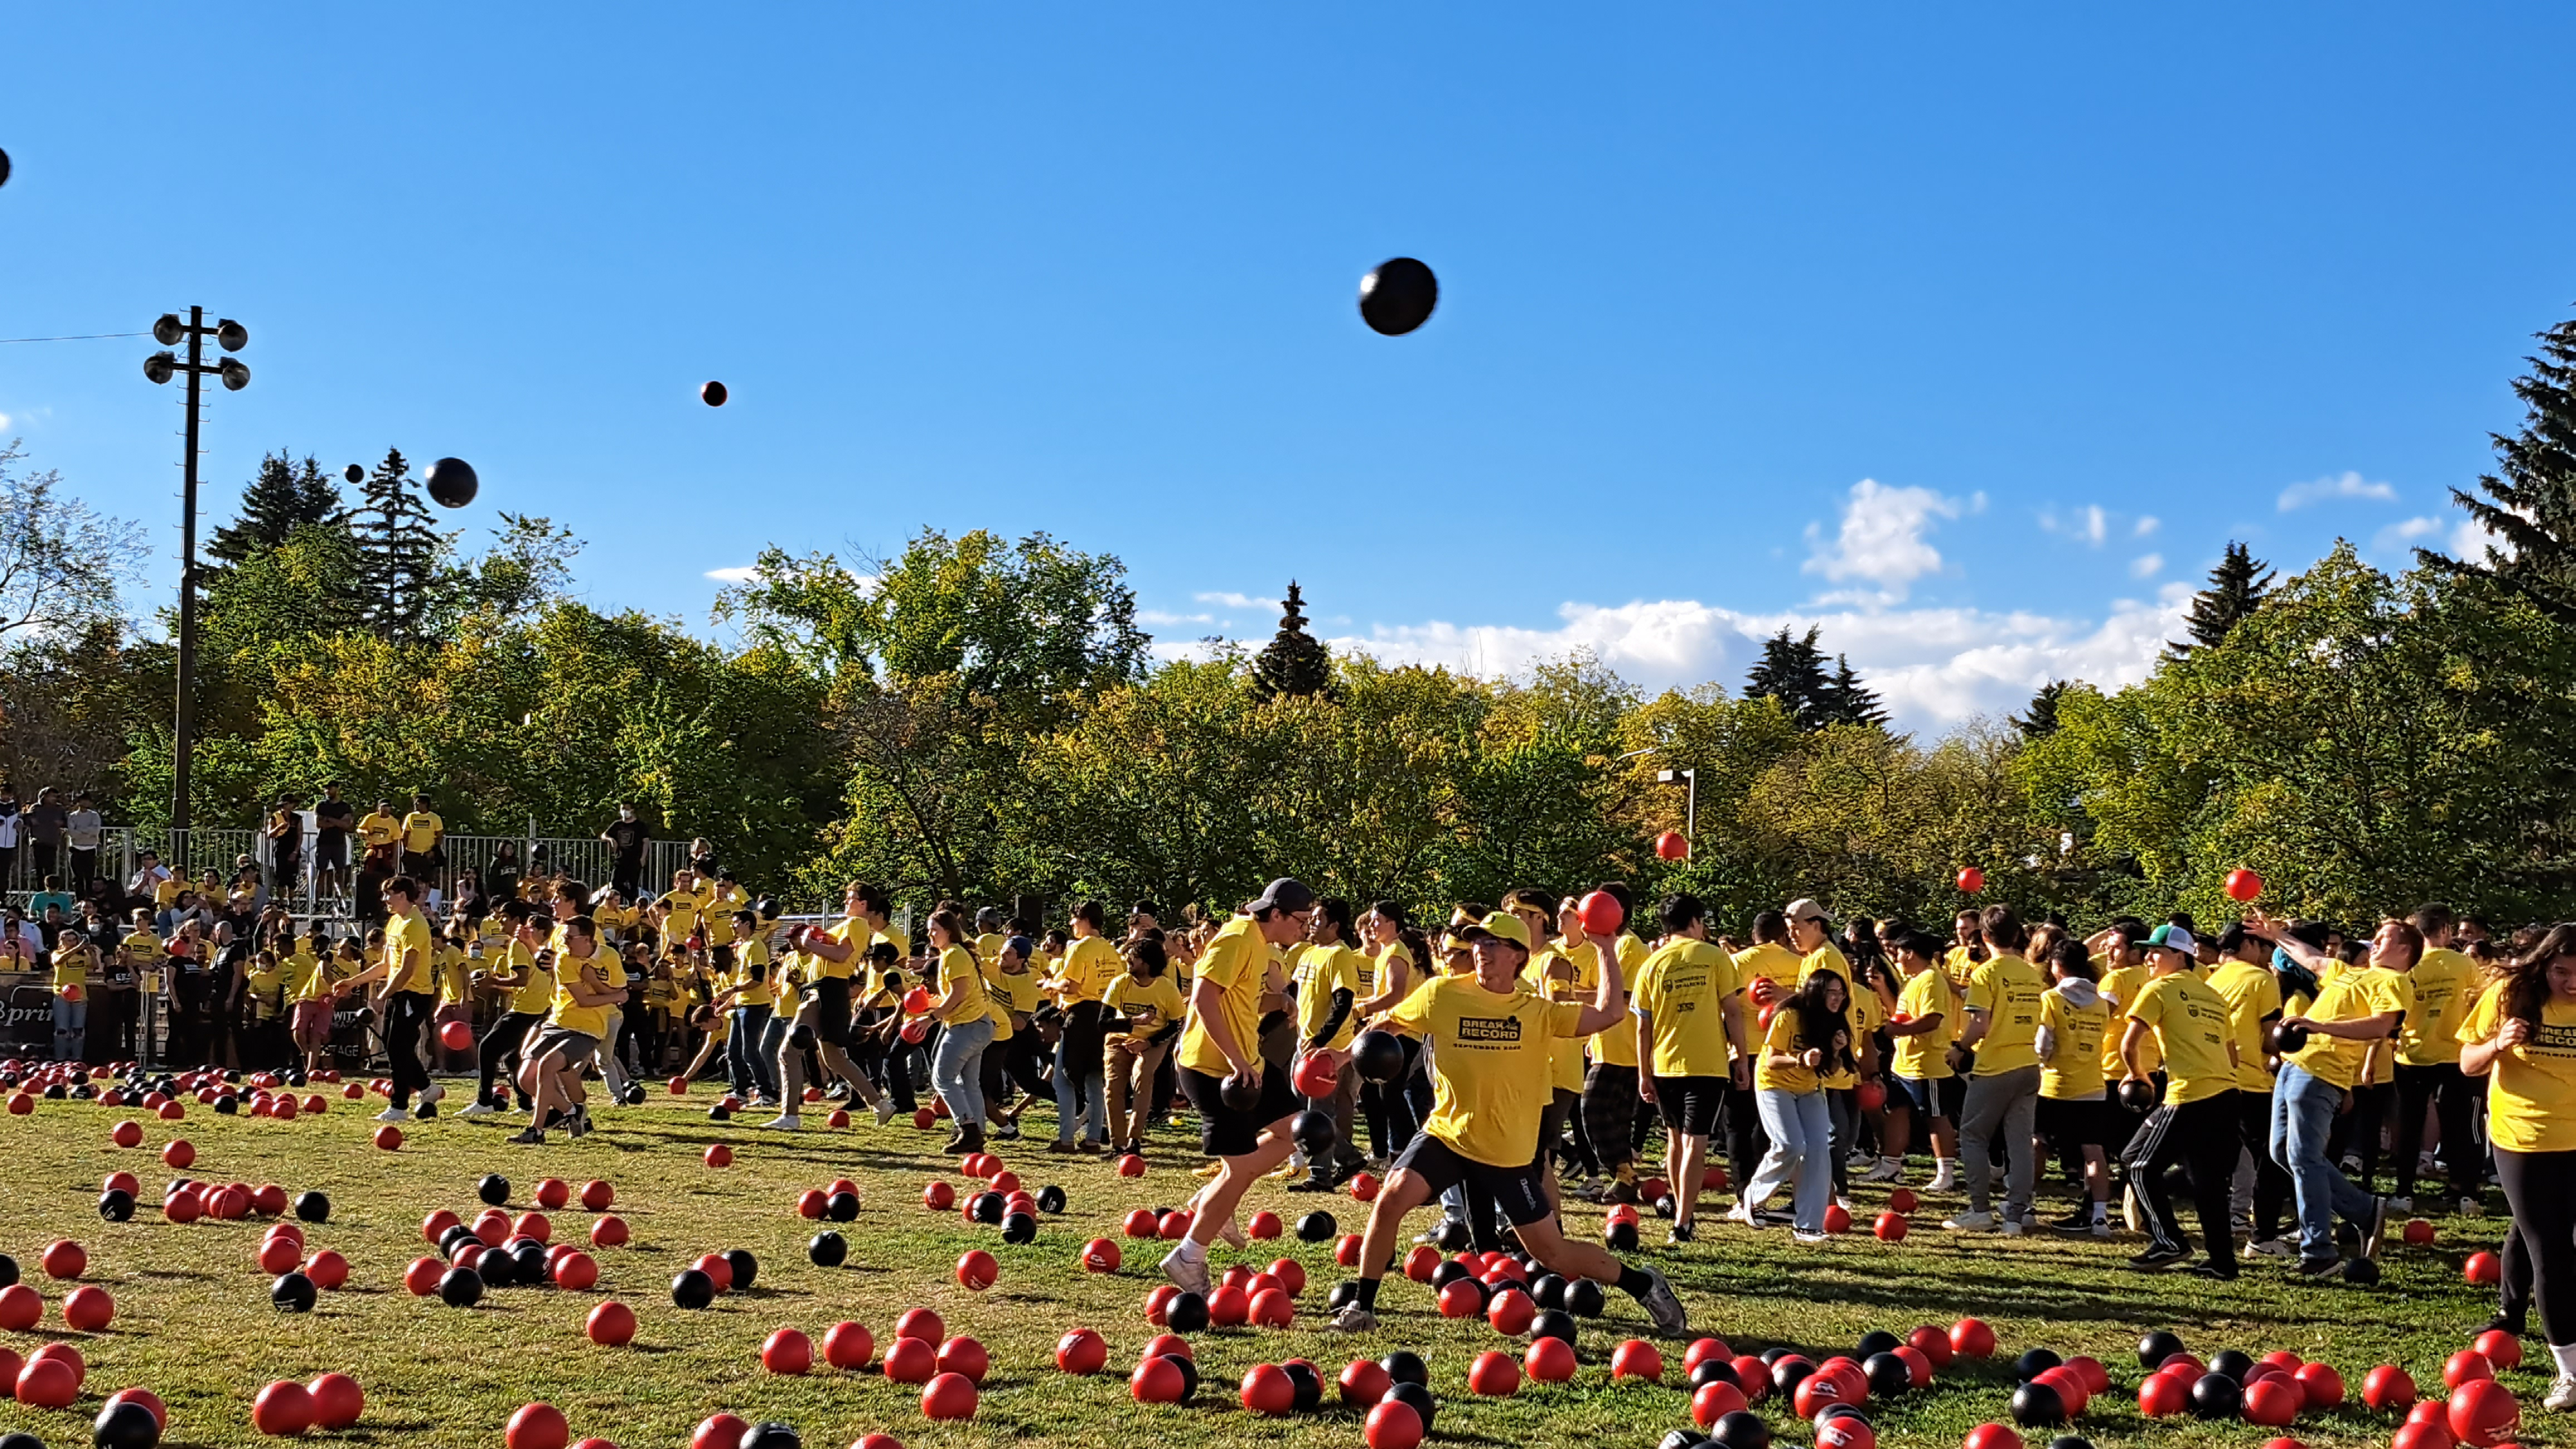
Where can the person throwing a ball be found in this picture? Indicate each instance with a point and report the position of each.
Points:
(1491, 1039)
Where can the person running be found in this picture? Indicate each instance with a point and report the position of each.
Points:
(570, 1039)
(1689, 1025)
(1151, 1015)
(1921, 1029)
(528, 988)
(1331, 979)
(1392, 951)
(2072, 1098)
(965, 1017)
(1811, 933)
(1243, 1102)
(2003, 1087)
(2428, 1062)
(1090, 963)
(403, 1003)
(1492, 1039)
(2353, 1009)
(2521, 1036)
(1807, 1038)
(823, 1016)
(2195, 1126)
(2243, 978)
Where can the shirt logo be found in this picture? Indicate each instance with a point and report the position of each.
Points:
(1504, 1030)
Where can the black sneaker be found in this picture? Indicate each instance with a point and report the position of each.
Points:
(2320, 1267)
(2156, 1259)
(2077, 1224)
(2222, 1272)
(1681, 1233)
(2512, 1323)
(2370, 1239)
(1308, 1184)
(531, 1136)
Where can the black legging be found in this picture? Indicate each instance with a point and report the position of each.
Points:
(1024, 1056)
(1609, 1113)
(2272, 1186)
(2441, 1085)
(406, 1015)
(501, 1043)
(1741, 1123)
(1391, 1122)
(2204, 1137)
(2540, 1189)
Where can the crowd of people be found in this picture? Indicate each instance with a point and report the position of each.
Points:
(2267, 1074)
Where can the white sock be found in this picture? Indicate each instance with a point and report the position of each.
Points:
(1191, 1250)
(2101, 1211)
(2565, 1353)
(1892, 1161)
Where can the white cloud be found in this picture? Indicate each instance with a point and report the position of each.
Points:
(2471, 539)
(2146, 565)
(1233, 600)
(1933, 666)
(2410, 533)
(1158, 616)
(2344, 485)
(1881, 541)
(4, 421)
(2088, 524)
(2148, 523)
(740, 574)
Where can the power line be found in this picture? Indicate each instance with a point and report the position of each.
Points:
(81, 337)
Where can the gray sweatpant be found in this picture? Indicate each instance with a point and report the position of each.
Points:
(2002, 1104)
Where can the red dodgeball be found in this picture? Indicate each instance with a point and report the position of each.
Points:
(2483, 1413)
(1494, 1375)
(611, 1324)
(1267, 1390)
(2483, 1269)
(1081, 1352)
(64, 1258)
(1637, 1359)
(787, 1351)
(948, 1397)
(1890, 1227)
(1549, 1361)
(338, 1402)
(1100, 1255)
(608, 1232)
(977, 1270)
(286, 1407)
(1392, 1426)
(1971, 1337)
(848, 1345)
(2388, 1387)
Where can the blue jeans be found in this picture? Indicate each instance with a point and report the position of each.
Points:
(2303, 1112)
(1801, 1126)
(71, 1029)
(746, 1069)
(957, 1069)
(1077, 1078)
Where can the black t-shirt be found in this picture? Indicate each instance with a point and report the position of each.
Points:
(628, 836)
(334, 817)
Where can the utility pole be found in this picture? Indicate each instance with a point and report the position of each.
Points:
(160, 367)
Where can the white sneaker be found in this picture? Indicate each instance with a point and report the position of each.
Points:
(2011, 1227)
(1847, 1205)
(885, 1110)
(1885, 1171)
(1807, 1237)
(1971, 1222)
(1742, 1212)
(480, 1109)
(431, 1095)
(1860, 1157)
(2273, 1248)
(786, 1122)
(393, 1114)
(1190, 1277)
(2562, 1394)
(1352, 1318)
(2401, 1204)
(1945, 1178)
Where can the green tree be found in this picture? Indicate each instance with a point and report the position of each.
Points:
(2237, 587)
(1292, 662)
(282, 497)
(1792, 671)
(2038, 719)
(61, 561)
(1847, 701)
(400, 555)
(2530, 503)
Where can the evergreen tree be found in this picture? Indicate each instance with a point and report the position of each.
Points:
(1847, 701)
(2236, 588)
(2530, 505)
(400, 556)
(1792, 671)
(1293, 662)
(2039, 721)
(284, 497)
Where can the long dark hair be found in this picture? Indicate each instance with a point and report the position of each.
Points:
(2526, 976)
(1818, 1021)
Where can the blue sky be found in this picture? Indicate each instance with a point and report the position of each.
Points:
(1972, 333)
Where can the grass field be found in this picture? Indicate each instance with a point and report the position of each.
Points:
(194, 1323)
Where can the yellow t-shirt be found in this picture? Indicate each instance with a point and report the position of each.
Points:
(2007, 989)
(1236, 961)
(71, 966)
(1925, 1056)
(1682, 990)
(2531, 1089)
(2074, 1072)
(2443, 981)
(408, 937)
(1541, 974)
(2190, 1023)
(588, 1020)
(2351, 996)
(1860, 1008)
(303, 977)
(988, 948)
(453, 987)
(850, 931)
(1784, 966)
(2251, 993)
(681, 920)
(961, 973)
(1615, 1045)
(144, 947)
(538, 994)
(1149, 1006)
(1786, 1036)
(421, 830)
(1321, 971)
(1091, 963)
(2122, 986)
(378, 829)
(753, 978)
(1490, 1077)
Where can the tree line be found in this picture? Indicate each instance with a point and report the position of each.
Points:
(982, 717)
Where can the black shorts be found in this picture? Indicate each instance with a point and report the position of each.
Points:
(1689, 1104)
(1225, 1132)
(1517, 1190)
(2073, 1123)
(831, 998)
(331, 849)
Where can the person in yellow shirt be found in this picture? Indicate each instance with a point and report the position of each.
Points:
(2243, 979)
(1767, 971)
(1689, 1016)
(2428, 1061)
(1807, 1038)
(1149, 1019)
(421, 832)
(2323, 1047)
(576, 1024)
(1393, 949)
(2002, 1028)
(2196, 1123)
(1492, 1041)
(822, 1022)
(1610, 1095)
(380, 836)
(1090, 963)
(742, 994)
(965, 1016)
(408, 971)
(1331, 978)
(2072, 1098)
(509, 965)
(73, 959)
(2521, 1036)
(1922, 1085)
(305, 982)
(1554, 975)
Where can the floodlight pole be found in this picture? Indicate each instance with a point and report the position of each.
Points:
(160, 367)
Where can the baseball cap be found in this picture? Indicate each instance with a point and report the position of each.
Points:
(2171, 937)
(1023, 947)
(1283, 894)
(1804, 908)
(1502, 926)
